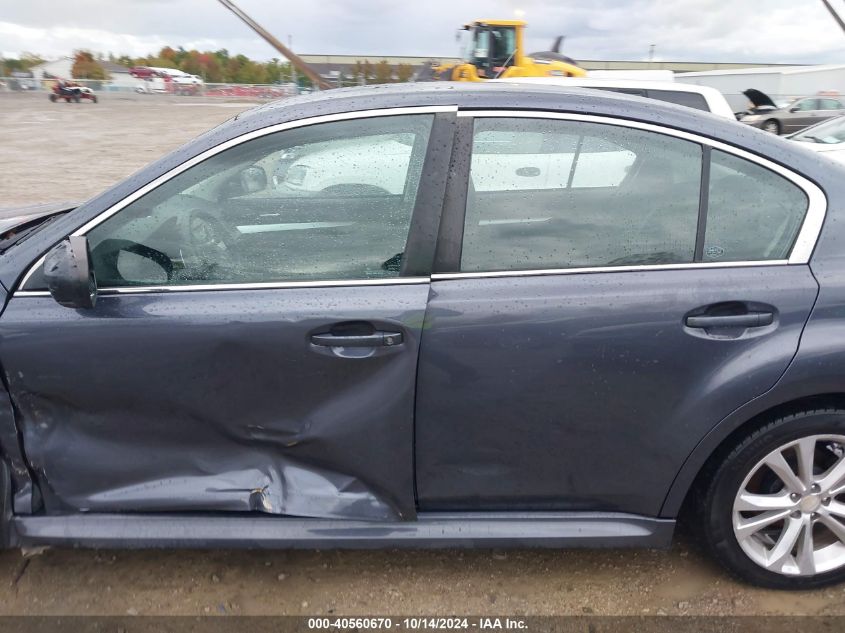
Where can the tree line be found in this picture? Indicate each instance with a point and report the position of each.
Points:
(217, 67)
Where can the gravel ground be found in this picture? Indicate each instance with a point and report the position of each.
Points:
(70, 152)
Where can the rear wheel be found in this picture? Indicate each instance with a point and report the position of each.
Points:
(774, 510)
(772, 126)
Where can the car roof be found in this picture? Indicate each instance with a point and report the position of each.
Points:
(477, 95)
(468, 96)
(608, 82)
(465, 97)
(482, 96)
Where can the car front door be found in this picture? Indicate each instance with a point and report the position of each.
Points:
(254, 343)
(587, 333)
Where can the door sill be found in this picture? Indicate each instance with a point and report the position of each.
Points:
(430, 530)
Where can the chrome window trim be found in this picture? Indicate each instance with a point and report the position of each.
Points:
(811, 228)
(269, 285)
(604, 269)
(801, 252)
(217, 149)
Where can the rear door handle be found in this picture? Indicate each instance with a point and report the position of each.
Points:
(752, 319)
(376, 339)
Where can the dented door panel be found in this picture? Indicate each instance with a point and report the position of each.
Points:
(11, 451)
(218, 401)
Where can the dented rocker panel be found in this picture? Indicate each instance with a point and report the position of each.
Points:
(512, 529)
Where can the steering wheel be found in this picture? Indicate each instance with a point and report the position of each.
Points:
(205, 242)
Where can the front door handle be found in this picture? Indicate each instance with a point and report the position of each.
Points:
(376, 339)
(751, 319)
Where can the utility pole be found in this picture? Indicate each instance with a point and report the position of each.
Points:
(293, 76)
(651, 53)
(835, 14)
(295, 60)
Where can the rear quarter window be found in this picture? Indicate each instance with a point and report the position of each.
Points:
(753, 213)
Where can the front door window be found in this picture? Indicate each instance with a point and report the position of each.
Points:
(324, 202)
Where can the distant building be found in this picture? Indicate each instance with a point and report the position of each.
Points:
(57, 68)
(781, 83)
(119, 76)
(61, 69)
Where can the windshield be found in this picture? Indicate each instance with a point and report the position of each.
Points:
(829, 132)
(488, 44)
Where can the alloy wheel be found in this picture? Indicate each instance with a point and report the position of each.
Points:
(789, 512)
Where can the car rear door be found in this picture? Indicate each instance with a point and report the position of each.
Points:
(580, 340)
(801, 114)
(253, 348)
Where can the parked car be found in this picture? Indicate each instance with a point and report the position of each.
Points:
(690, 95)
(144, 72)
(827, 138)
(797, 115)
(198, 357)
(261, 92)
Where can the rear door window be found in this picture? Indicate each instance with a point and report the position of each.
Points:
(558, 194)
(547, 194)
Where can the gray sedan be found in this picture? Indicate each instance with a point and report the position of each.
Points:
(799, 114)
(438, 315)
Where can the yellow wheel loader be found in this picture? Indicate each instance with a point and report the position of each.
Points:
(495, 50)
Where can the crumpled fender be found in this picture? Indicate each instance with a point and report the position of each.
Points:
(13, 465)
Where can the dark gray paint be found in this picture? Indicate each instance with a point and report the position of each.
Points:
(587, 391)
(59, 367)
(218, 401)
(430, 530)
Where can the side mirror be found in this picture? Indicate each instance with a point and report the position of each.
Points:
(795, 109)
(69, 274)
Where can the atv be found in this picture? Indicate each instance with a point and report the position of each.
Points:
(71, 92)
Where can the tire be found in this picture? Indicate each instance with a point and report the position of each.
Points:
(772, 126)
(772, 556)
(53, 98)
(76, 99)
(94, 99)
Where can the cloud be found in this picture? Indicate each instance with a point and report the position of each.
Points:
(700, 30)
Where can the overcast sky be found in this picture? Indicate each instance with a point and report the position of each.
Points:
(799, 31)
